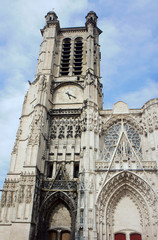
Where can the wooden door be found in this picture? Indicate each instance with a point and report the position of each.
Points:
(135, 236)
(65, 236)
(120, 236)
(52, 235)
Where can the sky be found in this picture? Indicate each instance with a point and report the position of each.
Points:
(129, 54)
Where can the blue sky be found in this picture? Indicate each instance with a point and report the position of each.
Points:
(129, 50)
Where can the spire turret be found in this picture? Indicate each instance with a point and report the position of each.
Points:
(51, 16)
(91, 18)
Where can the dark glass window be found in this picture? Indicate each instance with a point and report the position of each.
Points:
(76, 170)
(49, 170)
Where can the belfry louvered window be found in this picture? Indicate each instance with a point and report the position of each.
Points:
(65, 57)
(78, 49)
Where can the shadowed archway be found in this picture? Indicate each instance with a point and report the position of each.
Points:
(52, 206)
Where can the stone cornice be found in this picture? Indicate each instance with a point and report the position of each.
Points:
(73, 29)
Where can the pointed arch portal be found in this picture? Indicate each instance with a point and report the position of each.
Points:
(124, 208)
(57, 218)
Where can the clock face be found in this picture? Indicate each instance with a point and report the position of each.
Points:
(68, 94)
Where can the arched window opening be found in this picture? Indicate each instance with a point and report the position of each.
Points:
(78, 49)
(65, 57)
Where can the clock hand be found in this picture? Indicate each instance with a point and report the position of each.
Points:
(72, 96)
(69, 95)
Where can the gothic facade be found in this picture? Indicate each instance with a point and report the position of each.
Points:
(77, 171)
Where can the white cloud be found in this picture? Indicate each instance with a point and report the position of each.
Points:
(142, 95)
(129, 46)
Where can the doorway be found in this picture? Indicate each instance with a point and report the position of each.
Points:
(133, 236)
(120, 236)
(59, 235)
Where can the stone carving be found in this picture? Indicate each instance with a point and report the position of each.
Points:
(9, 198)
(91, 185)
(58, 112)
(53, 132)
(66, 127)
(61, 132)
(84, 122)
(69, 131)
(136, 186)
(28, 194)
(25, 188)
(126, 184)
(19, 132)
(36, 128)
(149, 119)
(77, 131)
(21, 194)
(3, 198)
(43, 83)
(9, 193)
(99, 88)
(94, 123)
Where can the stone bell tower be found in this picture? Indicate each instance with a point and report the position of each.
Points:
(79, 172)
(45, 193)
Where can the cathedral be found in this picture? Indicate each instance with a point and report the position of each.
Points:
(78, 171)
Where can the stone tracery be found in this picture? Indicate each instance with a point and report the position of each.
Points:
(113, 134)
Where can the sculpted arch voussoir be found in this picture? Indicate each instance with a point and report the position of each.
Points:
(51, 200)
(124, 178)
